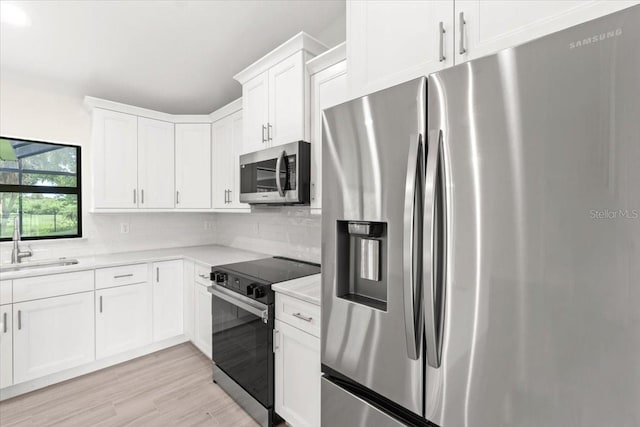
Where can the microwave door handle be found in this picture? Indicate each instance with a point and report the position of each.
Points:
(413, 190)
(434, 249)
(278, 165)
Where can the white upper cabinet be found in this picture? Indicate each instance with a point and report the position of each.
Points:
(484, 27)
(255, 103)
(287, 81)
(275, 95)
(155, 163)
(115, 174)
(227, 146)
(329, 87)
(193, 166)
(390, 42)
(168, 297)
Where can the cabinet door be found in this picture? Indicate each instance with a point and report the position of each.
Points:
(255, 108)
(390, 42)
(123, 319)
(222, 142)
(6, 345)
(52, 334)
(156, 163)
(193, 166)
(115, 159)
(188, 301)
(234, 196)
(167, 299)
(286, 101)
(297, 371)
(328, 88)
(493, 25)
(203, 331)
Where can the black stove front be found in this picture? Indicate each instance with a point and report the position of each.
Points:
(243, 318)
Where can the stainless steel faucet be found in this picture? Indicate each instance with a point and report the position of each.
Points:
(17, 254)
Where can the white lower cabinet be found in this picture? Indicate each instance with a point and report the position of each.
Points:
(167, 299)
(52, 334)
(297, 372)
(202, 336)
(6, 345)
(123, 318)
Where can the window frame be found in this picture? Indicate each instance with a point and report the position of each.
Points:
(43, 189)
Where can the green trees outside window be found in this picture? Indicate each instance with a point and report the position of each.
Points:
(40, 184)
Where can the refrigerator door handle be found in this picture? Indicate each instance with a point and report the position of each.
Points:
(411, 248)
(434, 241)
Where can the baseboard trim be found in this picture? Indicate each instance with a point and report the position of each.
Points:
(58, 377)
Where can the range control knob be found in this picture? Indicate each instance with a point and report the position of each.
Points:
(259, 292)
(251, 288)
(220, 277)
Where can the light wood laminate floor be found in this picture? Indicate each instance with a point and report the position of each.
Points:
(172, 387)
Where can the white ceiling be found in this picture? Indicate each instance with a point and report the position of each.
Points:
(172, 56)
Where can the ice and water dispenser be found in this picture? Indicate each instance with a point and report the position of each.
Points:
(362, 262)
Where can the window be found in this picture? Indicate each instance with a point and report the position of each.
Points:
(40, 185)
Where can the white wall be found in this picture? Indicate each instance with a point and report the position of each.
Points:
(31, 112)
(291, 232)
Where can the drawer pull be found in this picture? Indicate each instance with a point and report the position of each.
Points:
(4, 321)
(204, 276)
(302, 317)
(121, 276)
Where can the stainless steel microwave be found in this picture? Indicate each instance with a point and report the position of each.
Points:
(278, 175)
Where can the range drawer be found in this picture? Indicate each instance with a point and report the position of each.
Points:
(6, 293)
(52, 285)
(301, 314)
(121, 275)
(202, 274)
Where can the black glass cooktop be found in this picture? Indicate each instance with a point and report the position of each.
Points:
(272, 270)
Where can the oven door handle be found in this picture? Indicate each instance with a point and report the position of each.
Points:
(261, 312)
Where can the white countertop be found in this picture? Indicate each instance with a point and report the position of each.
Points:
(307, 288)
(208, 255)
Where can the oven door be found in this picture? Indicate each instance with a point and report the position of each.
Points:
(242, 342)
(271, 175)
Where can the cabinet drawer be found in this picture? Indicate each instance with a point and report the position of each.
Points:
(6, 292)
(122, 275)
(298, 313)
(202, 274)
(52, 285)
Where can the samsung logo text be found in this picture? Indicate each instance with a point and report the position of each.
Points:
(596, 38)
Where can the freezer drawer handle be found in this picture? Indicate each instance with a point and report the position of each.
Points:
(411, 247)
(434, 249)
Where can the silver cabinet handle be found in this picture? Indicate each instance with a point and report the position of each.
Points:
(302, 317)
(229, 195)
(434, 253)
(142, 196)
(19, 319)
(225, 196)
(4, 321)
(313, 191)
(462, 24)
(158, 274)
(134, 196)
(100, 303)
(442, 31)
(264, 138)
(177, 197)
(276, 343)
(120, 276)
(204, 276)
(269, 127)
(411, 249)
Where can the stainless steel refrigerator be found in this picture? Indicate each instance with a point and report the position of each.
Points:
(481, 240)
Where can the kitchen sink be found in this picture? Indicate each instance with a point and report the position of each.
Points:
(32, 265)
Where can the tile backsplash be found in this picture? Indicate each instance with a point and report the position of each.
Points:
(287, 231)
